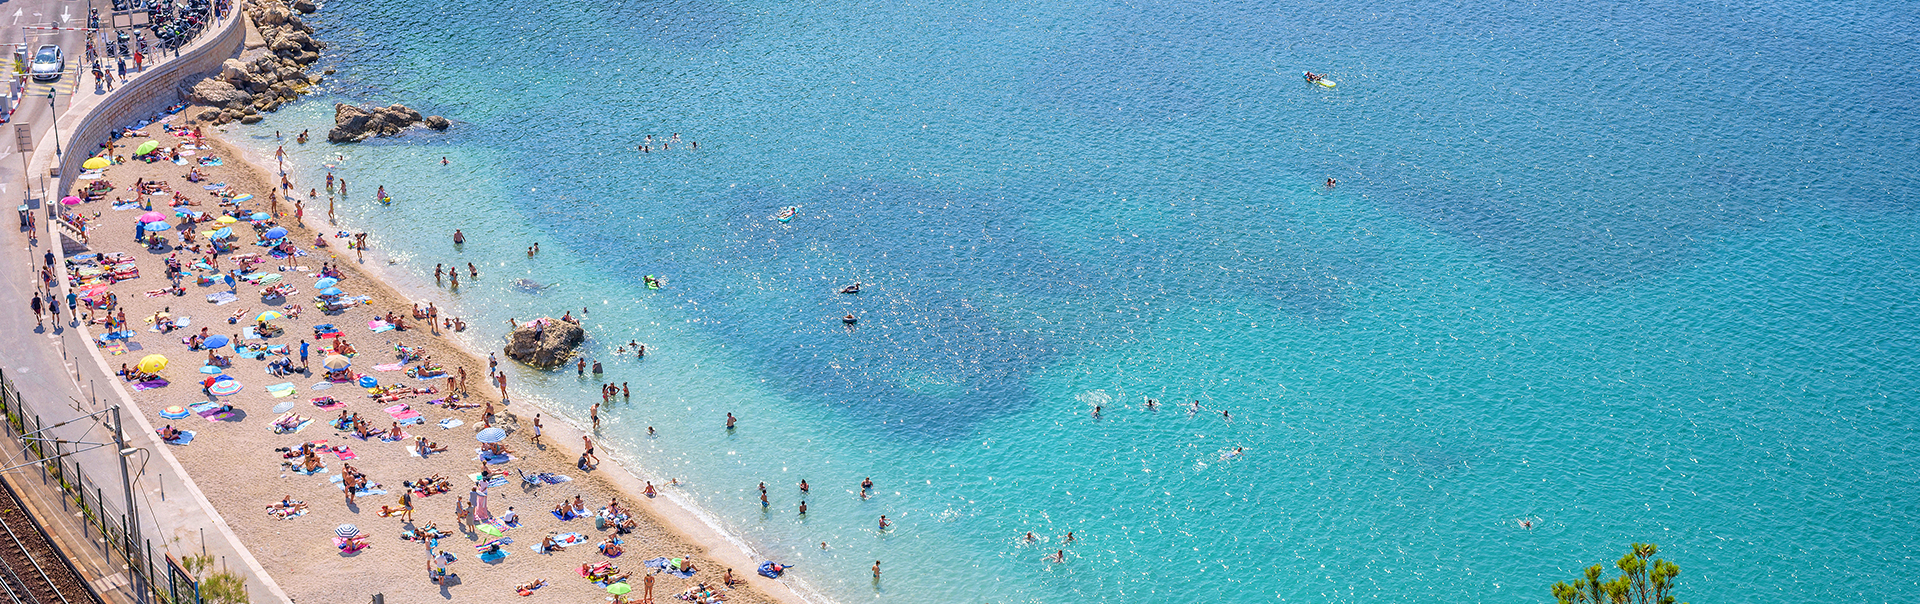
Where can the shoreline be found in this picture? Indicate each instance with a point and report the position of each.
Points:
(679, 515)
(667, 528)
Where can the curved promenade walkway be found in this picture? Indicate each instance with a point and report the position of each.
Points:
(54, 367)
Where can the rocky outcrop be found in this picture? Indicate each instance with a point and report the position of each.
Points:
(245, 88)
(354, 124)
(545, 342)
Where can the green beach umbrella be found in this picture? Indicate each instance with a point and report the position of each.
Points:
(489, 529)
(146, 147)
(619, 589)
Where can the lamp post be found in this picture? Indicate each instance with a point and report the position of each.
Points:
(133, 516)
(54, 112)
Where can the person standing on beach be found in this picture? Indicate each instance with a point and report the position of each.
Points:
(536, 429)
(303, 355)
(589, 454)
(406, 505)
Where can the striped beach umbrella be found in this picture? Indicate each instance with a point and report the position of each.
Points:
(491, 435)
(225, 387)
(336, 362)
(157, 226)
(270, 315)
(345, 531)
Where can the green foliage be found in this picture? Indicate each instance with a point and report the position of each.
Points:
(1643, 580)
(223, 587)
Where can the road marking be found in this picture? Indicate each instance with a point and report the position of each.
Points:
(66, 14)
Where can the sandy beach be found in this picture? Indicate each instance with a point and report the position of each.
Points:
(245, 464)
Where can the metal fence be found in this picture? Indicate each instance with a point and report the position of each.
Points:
(102, 523)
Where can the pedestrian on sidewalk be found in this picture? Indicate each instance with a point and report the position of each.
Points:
(36, 312)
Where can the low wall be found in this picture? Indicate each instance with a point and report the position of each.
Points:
(151, 91)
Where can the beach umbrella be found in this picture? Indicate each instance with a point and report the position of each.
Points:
(336, 362)
(261, 216)
(269, 316)
(270, 278)
(226, 220)
(223, 233)
(283, 407)
(491, 435)
(70, 200)
(619, 589)
(331, 291)
(225, 387)
(325, 282)
(346, 531)
(158, 226)
(146, 147)
(96, 163)
(153, 363)
(214, 342)
(152, 217)
(276, 233)
(489, 529)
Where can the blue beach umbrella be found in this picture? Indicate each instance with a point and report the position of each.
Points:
(331, 291)
(158, 226)
(277, 233)
(261, 216)
(215, 342)
(325, 282)
(223, 233)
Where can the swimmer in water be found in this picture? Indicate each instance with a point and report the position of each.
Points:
(1068, 538)
(1226, 415)
(1193, 408)
(884, 523)
(1331, 182)
(1096, 410)
(1058, 556)
(1152, 404)
(443, 160)
(650, 433)
(1029, 538)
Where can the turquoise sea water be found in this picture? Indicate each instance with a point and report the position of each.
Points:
(1638, 271)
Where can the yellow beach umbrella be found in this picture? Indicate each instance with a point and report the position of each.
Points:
(153, 363)
(226, 220)
(96, 163)
(336, 362)
(270, 315)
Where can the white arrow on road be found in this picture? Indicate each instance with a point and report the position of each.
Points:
(16, 15)
(66, 14)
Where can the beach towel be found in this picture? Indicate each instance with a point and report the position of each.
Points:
(341, 483)
(149, 385)
(219, 298)
(294, 430)
(567, 515)
(281, 390)
(185, 438)
(403, 436)
(299, 470)
(379, 326)
(116, 335)
(409, 421)
(565, 541)
(345, 454)
(389, 367)
(450, 423)
(321, 386)
(114, 349)
(481, 455)
(664, 565)
(326, 402)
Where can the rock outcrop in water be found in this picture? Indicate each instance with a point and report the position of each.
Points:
(354, 124)
(545, 342)
(265, 77)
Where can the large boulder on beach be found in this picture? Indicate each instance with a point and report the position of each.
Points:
(354, 124)
(216, 92)
(545, 342)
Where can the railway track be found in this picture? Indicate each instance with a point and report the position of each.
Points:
(31, 571)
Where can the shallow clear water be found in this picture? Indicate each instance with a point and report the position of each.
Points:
(1640, 271)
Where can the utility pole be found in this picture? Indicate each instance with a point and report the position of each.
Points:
(133, 515)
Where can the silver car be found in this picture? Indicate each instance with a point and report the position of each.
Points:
(48, 63)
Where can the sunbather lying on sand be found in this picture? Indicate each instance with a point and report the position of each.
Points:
(526, 589)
